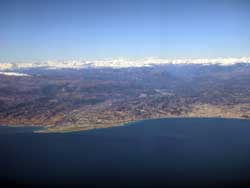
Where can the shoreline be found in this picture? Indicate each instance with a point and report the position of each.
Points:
(73, 128)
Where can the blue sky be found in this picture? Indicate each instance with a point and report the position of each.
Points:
(60, 29)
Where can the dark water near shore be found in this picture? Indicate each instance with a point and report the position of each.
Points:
(154, 153)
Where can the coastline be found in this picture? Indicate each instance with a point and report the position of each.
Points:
(128, 123)
(74, 128)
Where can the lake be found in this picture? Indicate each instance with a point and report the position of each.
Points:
(195, 152)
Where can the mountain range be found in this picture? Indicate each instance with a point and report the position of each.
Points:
(116, 63)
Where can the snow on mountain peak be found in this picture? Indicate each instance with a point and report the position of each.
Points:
(118, 63)
(13, 74)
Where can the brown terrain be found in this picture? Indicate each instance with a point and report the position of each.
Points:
(69, 100)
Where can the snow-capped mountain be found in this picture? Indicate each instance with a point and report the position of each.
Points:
(117, 63)
(13, 74)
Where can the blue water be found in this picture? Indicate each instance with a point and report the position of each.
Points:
(154, 153)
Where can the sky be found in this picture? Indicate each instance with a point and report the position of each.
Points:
(95, 29)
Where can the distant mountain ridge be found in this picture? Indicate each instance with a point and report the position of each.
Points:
(117, 63)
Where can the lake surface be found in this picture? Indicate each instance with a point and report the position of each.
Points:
(153, 153)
